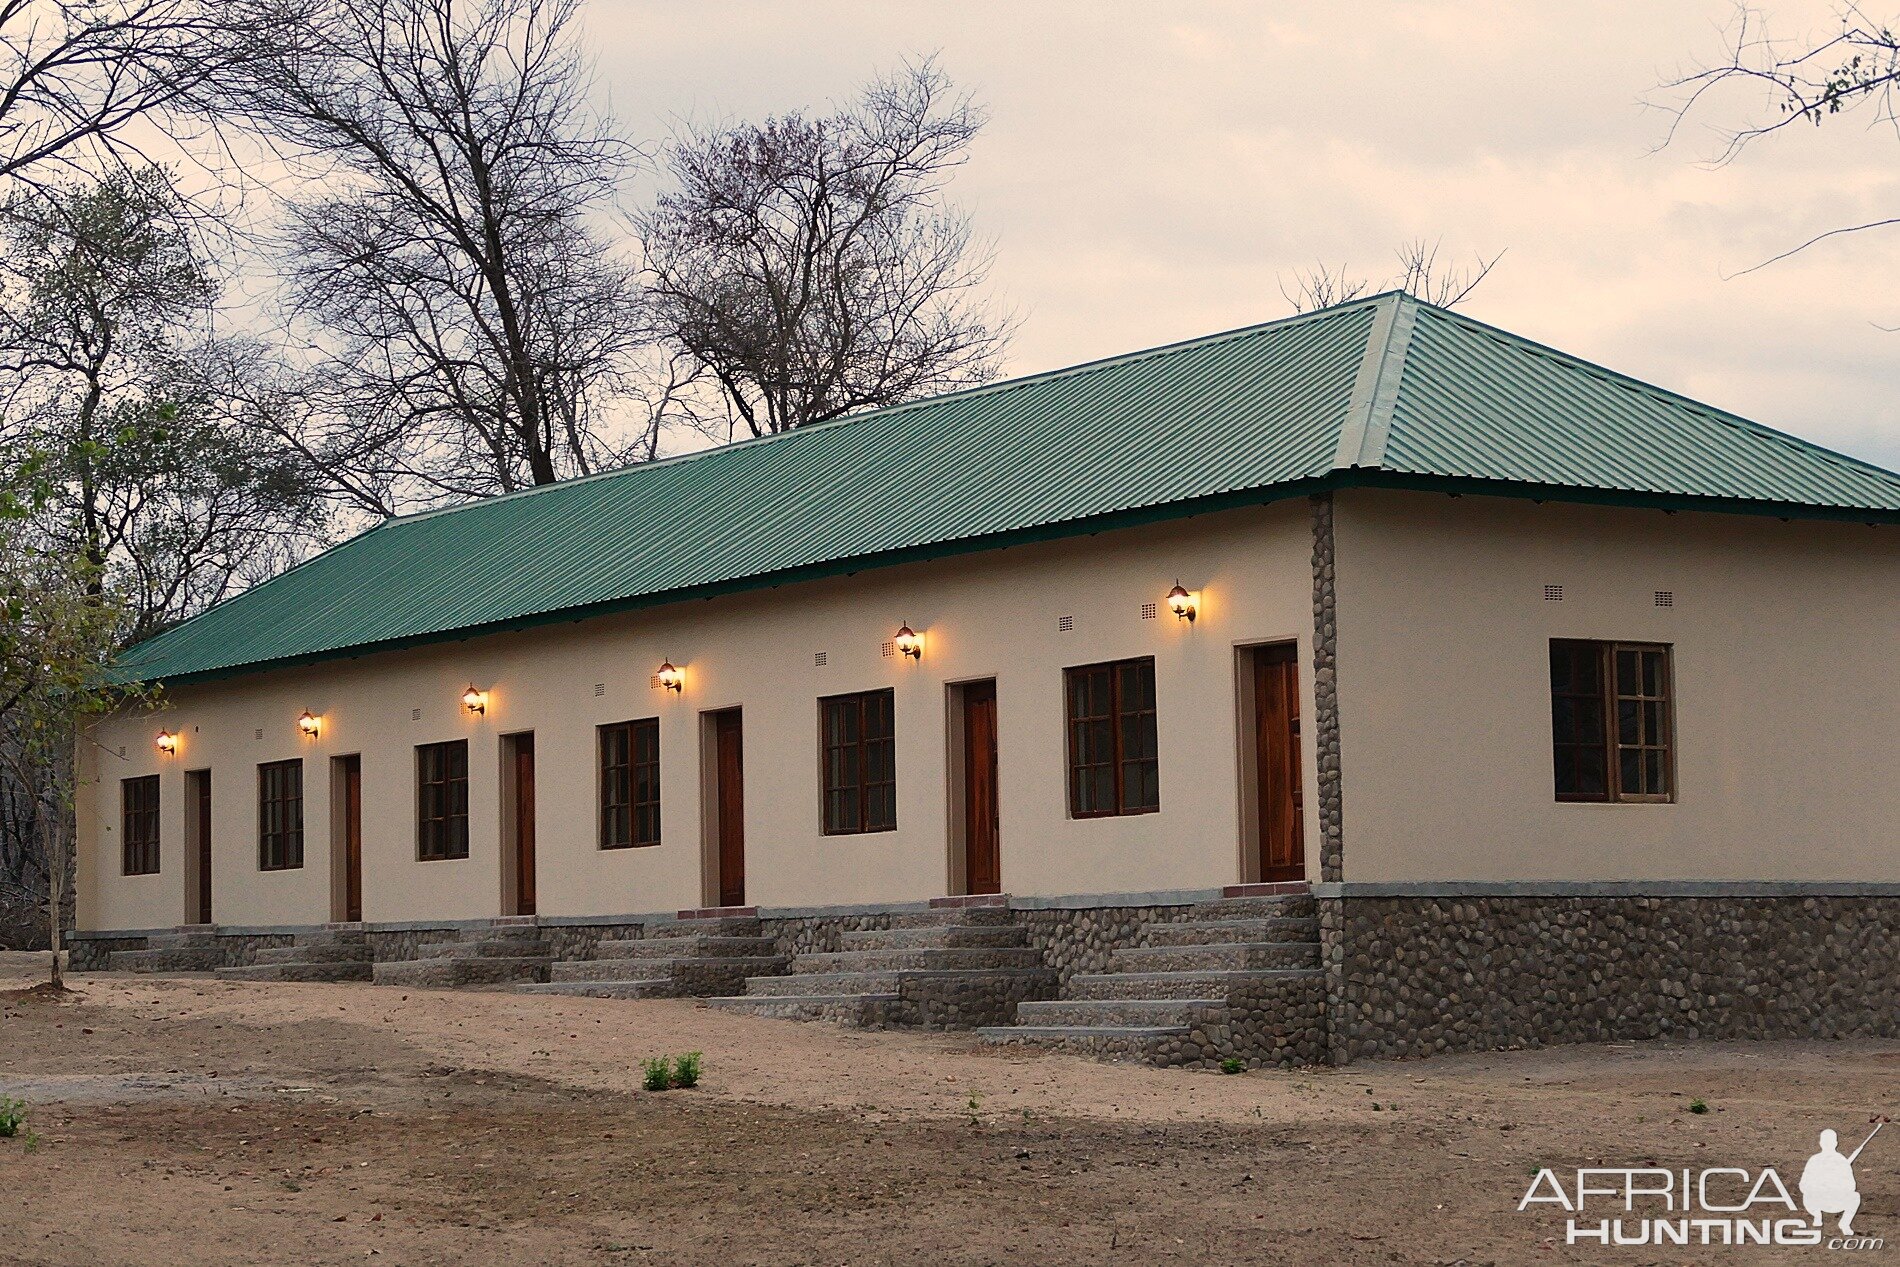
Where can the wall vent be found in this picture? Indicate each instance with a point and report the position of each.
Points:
(1148, 611)
(1665, 598)
(654, 682)
(415, 714)
(600, 689)
(260, 732)
(885, 650)
(1553, 593)
(1065, 624)
(819, 659)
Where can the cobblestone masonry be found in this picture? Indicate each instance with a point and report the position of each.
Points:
(1407, 976)
(1326, 694)
(1421, 975)
(1074, 940)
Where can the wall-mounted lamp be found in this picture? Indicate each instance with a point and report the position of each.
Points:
(166, 742)
(310, 724)
(475, 700)
(670, 677)
(1182, 603)
(908, 642)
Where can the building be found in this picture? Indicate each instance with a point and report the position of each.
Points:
(1572, 700)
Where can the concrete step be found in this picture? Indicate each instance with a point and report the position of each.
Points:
(498, 948)
(823, 983)
(841, 1009)
(700, 947)
(612, 970)
(1266, 906)
(358, 953)
(1115, 1013)
(661, 989)
(191, 939)
(1093, 1040)
(1179, 985)
(361, 970)
(968, 916)
(937, 935)
(449, 973)
(715, 926)
(1222, 931)
(512, 932)
(167, 959)
(929, 959)
(334, 935)
(1290, 954)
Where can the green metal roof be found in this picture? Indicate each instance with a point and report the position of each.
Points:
(1384, 391)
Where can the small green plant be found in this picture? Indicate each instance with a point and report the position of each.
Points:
(1233, 1064)
(1698, 1105)
(975, 1109)
(659, 1073)
(686, 1070)
(12, 1117)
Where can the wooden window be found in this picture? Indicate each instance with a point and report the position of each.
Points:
(280, 816)
(442, 801)
(630, 784)
(859, 738)
(139, 806)
(1113, 766)
(1612, 731)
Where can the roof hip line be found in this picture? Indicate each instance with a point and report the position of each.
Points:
(1368, 420)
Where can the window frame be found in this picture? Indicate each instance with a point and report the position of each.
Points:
(280, 787)
(1118, 760)
(139, 825)
(634, 732)
(861, 791)
(451, 824)
(1609, 696)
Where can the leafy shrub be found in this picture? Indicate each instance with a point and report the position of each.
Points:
(1698, 1105)
(686, 1070)
(12, 1117)
(659, 1075)
(1233, 1064)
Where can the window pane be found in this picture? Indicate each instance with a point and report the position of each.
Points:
(1628, 680)
(1630, 769)
(1652, 673)
(1653, 780)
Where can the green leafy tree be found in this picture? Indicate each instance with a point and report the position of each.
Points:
(56, 647)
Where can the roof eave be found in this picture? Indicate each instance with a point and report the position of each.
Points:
(1339, 479)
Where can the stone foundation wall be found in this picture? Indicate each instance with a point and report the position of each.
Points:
(1413, 976)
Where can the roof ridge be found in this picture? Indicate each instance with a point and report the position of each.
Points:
(1368, 421)
(980, 389)
(1664, 394)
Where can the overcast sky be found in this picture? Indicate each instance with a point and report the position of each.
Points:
(1152, 171)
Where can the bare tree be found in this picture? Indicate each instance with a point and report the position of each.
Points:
(1855, 68)
(1322, 286)
(472, 325)
(812, 265)
(1420, 275)
(73, 73)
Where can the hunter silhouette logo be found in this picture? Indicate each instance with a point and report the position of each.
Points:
(1714, 1205)
(1827, 1181)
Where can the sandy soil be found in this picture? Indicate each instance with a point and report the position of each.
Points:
(190, 1120)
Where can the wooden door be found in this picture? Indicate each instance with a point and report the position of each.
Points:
(729, 805)
(201, 812)
(982, 835)
(1281, 802)
(352, 838)
(524, 824)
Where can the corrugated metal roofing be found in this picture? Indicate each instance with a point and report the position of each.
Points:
(1383, 385)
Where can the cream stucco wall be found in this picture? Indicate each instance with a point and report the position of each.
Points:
(987, 615)
(1786, 644)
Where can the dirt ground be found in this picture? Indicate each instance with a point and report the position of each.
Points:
(204, 1122)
